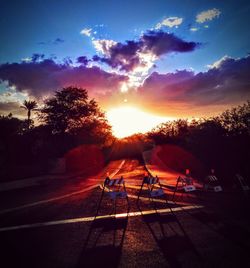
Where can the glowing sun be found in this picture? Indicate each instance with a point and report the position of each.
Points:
(126, 121)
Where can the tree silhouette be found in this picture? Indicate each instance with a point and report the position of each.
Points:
(221, 142)
(71, 111)
(237, 119)
(29, 106)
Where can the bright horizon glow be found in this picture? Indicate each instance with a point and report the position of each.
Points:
(127, 120)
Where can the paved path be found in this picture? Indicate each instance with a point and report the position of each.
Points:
(193, 230)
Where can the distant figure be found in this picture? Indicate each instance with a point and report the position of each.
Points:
(211, 182)
(243, 184)
(188, 179)
(209, 178)
(186, 183)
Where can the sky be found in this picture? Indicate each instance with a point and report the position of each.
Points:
(169, 59)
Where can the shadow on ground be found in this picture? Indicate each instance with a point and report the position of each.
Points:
(97, 252)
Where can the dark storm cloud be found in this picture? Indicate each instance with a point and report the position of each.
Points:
(125, 56)
(226, 82)
(42, 77)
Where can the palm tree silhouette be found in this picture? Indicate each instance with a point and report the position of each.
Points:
(29, 106)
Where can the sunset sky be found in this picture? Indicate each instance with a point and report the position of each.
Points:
(165, 59)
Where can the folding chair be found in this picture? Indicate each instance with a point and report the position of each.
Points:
(212, 183)
(243, 183)
(107, 255)
(185, 184)
(151, 182)
(114, 188)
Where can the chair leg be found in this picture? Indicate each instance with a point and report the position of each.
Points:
(139, 193)
(99, 204)
(115, 206)
(125, 190)
(176, 186)
(164, 194)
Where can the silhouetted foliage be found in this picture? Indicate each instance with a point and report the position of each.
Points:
(69, 120)
(29, 106)
(221, 142)
(237, 120)
(70, 110)
(10, 126)
(15, 147)
(129, 147)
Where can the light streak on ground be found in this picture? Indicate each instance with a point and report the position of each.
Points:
(48, 200)
(62, 196)
(90, 219)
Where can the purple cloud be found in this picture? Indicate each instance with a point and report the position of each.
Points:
(128, 56)
(160, 43)
(43, 77)
(227, 82)
(122, 56)
(83, 60)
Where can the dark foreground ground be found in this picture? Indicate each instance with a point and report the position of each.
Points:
(51, 225)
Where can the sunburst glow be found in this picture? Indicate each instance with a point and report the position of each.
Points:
(127, 121)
